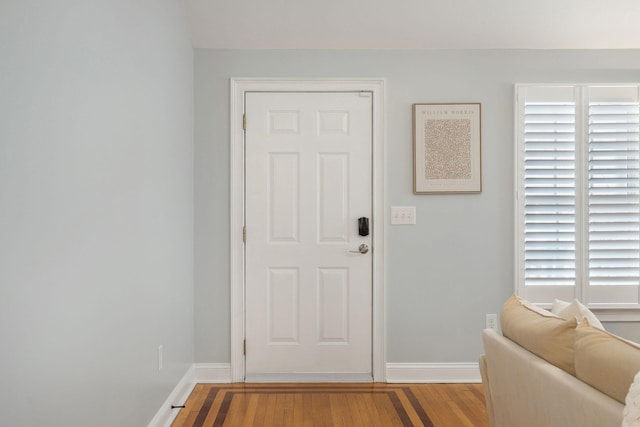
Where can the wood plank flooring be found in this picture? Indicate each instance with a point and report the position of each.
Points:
(266, 405)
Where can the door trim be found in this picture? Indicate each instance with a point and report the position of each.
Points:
(239, 86)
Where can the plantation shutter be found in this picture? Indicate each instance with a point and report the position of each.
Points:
(614, 194)
(548, 192)
(578, 194)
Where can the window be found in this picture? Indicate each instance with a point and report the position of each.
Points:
(578, 194)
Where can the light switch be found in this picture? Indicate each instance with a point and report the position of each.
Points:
(404, 215)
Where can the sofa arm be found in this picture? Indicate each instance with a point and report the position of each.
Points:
(487, 389)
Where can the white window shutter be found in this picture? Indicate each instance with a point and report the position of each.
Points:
(614, 194)
(579, 214)
(549, 193)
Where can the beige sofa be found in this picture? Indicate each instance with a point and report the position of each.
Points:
(551, 372)
(523, 390)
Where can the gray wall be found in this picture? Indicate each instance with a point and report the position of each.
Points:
(96, 210)
(456, 264)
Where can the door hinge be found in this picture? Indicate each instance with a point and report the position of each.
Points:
(244, 234)
(244, 347)
(244, 122)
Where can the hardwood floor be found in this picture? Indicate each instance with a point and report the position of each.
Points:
(429, 405)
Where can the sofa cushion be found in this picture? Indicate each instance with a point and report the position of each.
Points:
(604, 361)
(539, 331)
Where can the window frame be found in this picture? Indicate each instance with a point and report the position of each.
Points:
(606, 311)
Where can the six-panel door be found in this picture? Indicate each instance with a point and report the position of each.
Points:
(308, 289)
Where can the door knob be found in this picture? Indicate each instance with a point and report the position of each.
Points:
(362, 249)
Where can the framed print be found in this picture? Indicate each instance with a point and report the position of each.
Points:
(447, 148)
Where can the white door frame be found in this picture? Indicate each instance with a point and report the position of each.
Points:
(239, 86)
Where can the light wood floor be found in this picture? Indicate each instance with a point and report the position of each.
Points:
(429, 405)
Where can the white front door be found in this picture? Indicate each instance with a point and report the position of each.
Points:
(308, 287)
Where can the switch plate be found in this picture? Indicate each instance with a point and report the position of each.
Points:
(404, 215)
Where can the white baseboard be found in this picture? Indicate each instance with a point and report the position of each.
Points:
(433, 373)
(212, 372)
(165, 415)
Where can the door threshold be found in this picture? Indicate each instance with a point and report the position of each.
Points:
(337, 377)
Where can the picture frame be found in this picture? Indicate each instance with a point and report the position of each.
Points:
(447, 145)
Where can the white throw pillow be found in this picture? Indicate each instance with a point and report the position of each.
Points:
(559, 305)
(579, 311)
(631, 414)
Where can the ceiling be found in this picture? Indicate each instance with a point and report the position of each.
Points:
(415, 24)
